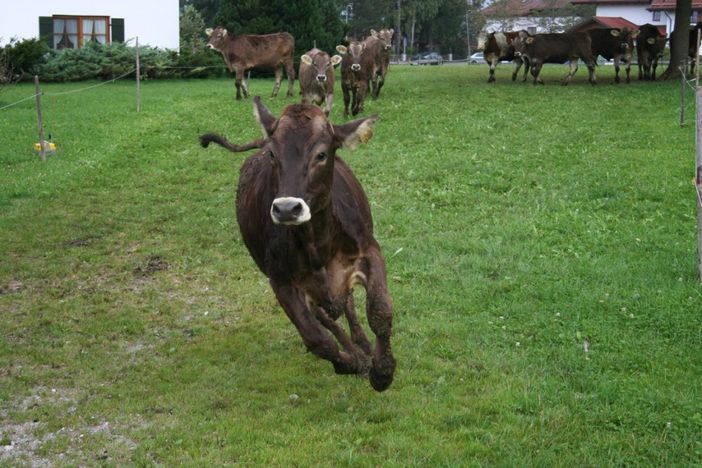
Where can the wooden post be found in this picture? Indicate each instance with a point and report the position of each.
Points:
(138, 78)
(698, 177)
(697, 60)
(40, 120)
(683, 78)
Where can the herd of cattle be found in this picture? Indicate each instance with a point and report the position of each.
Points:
(364, 65)
(302, 213)
(533, 50)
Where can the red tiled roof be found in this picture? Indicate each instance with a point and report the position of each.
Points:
(614, 22)
(670, 5)
(610, 22)
(523, 7)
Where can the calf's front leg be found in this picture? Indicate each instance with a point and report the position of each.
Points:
(379, 312)
(316, 338)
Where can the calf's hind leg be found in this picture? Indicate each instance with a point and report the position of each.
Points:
(278, 79)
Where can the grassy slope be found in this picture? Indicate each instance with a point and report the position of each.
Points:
(521, 225)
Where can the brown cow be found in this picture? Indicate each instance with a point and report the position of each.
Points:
(556, 48)
(307, 223)
(649, 49)
(497, 46)
(357, 71)
(382, 59)
(271, 51)
(613, 43)
(317, 78)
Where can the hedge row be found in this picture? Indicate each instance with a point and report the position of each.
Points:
(23, 59)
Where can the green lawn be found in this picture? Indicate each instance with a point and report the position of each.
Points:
(541, 253)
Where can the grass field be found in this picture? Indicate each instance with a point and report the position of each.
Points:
(541, 253)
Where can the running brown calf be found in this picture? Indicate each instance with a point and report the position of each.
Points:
(306, 221)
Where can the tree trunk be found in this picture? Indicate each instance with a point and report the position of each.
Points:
(679, 39)
(414, 21)
(398, 27)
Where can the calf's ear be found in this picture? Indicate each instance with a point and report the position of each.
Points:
(266, 120)
(306, 59)
(374, 33)
(208, 31)
(335, 60)
(356, 132)
(341, 49)
(651, 40)
(529, 40)
(614, 32)
(635, 34)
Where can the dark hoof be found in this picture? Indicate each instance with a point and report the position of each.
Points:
(381, 374)
(380, 382)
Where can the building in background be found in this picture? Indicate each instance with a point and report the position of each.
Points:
(535, 16)
(73, 23)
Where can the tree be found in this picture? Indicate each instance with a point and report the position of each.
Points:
(192, 31)
(679, 39)
(311, 22)
(206, 8)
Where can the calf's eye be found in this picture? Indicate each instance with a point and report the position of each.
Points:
(322, 156)
(270, 154)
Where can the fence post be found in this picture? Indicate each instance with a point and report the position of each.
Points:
(40, 120)
(698, 177)
(683, 78)
(138, 78)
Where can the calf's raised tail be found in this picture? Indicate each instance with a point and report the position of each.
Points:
(208, 138)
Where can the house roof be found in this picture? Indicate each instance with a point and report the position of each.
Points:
(605, 22)
(523, 7)
(610, 22)
(670, 5)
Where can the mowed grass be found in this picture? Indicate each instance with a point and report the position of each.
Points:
(541, 253)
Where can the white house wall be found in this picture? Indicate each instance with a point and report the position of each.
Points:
(156, 22)
(637, 14)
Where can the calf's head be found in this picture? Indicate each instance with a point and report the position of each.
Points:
(385, 37)
(302, 145)
(353, 54)
(321, 63)
(218, 37)
(625, 38)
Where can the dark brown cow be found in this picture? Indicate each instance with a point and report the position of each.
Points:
(497, 46)
(271, 51)
(357, 71)
(382, 59)
(649, 49)
(317, 78)
(556, 48)
(307, 223)
(617, 44)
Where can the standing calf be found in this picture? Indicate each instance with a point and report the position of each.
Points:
(272, 51)
(307, 223)
(649, 49)
(358, 68)
(317, 78)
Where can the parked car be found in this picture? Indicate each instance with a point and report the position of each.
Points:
(432, 58)
(477, 57)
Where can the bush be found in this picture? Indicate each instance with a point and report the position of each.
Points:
(20, 59)
(105, 62)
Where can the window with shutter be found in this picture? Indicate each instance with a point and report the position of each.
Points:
(72, 32)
